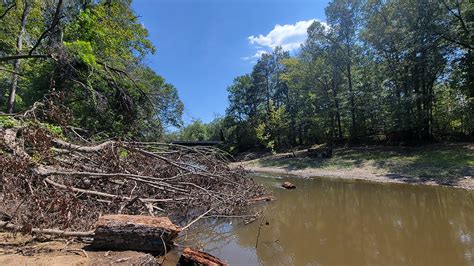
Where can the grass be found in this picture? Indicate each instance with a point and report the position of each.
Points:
(439, 162)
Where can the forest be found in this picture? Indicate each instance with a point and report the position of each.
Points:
(96, 159)
(87, 59)
(81, 135)
(398, 72)
(375, 72)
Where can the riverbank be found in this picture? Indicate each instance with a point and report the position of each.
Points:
(434, 164)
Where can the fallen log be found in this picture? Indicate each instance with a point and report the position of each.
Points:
(191, 257)
(119, 232)
(134, 232)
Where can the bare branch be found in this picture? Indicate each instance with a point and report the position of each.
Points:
(8, 9)
(457, 15)
(11, 71)
(53, 25)
(113, 177)
(10, 227)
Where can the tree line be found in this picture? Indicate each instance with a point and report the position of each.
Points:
(376, 71)
(85, 57)
(398, 71)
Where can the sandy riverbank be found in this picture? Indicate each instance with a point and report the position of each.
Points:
(356, 174)
(449, 165)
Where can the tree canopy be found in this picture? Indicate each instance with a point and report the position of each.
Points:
(378, 71)
(87, 58)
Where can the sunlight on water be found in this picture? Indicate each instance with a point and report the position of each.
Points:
(334, 222)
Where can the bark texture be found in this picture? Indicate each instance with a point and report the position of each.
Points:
(135, 232)
(191, 257)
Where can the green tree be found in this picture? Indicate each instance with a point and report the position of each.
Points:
(91, 53)
(271, 132)
(343, 22)
(396, 71)
(197, 130)
(415, 57)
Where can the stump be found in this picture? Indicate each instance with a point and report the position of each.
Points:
(288, 185)
(134, 232)
(191, 257)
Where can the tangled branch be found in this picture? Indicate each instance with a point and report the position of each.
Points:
(48, 182)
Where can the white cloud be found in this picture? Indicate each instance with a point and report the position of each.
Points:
(288, 36)
(258, 54)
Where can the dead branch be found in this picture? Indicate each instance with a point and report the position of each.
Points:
(70, 146)
(198, 218)
(63, 184)
(91, 192)
(10, 227)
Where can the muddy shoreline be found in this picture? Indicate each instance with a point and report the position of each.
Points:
(358, 174)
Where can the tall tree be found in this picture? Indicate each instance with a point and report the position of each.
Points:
(415, 55)
(91, 53)
(16, 62)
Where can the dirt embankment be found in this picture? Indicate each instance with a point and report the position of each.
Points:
(16, 249)
(437, 164)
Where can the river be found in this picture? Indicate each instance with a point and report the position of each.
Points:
(341, 222)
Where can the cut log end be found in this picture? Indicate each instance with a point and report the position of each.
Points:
(191, 257)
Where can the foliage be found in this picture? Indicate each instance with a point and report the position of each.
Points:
(82, 51)
(8, 122)
(96, 51)
(194, 131)
(270, 132)
(53, 129)
(378, 71)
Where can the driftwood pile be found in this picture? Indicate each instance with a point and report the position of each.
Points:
(49, 182)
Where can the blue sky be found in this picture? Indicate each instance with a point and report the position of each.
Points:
(203, 44)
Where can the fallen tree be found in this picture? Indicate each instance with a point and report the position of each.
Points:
(49, 181)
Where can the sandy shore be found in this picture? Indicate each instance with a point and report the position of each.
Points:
(365, 174)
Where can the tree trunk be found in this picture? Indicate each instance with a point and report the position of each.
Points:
(336, 103)
(351, 98)
(268, 93)
(300, 134)
(16, 63)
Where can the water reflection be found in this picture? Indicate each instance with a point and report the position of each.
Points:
(334, 222)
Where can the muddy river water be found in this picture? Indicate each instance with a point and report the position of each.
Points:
(339, 222)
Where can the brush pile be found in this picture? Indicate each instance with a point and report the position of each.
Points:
(47, 181)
